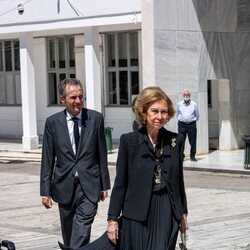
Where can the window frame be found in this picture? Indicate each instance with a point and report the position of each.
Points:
(56, 70)
(117, 69)
(13, 75)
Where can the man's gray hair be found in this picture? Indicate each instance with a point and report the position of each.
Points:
(69, 81)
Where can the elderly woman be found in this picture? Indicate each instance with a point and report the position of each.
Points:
(149, 194)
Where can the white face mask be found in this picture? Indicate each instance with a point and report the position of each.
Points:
(186, 98)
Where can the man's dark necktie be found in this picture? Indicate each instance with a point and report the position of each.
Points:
(76, 131)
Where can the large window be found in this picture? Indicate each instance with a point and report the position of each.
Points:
(122, 63)
(10, 82)
(61, 64)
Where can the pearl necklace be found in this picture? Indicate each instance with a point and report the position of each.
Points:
(154, 142)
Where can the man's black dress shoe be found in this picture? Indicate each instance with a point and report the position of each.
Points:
(193, 159)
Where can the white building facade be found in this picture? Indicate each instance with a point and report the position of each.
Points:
(116, 48)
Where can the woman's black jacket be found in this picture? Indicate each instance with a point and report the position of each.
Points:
(133, 184)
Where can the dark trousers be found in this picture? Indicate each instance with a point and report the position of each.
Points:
(188, 129)
(77, 218)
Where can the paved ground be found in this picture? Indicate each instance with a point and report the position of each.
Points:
(219, 216)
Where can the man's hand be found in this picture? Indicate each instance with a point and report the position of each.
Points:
(47, 202)
(103, 195)
(112, 231)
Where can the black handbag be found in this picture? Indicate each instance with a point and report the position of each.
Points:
(101, 243)
(183, 244)
(8, 244)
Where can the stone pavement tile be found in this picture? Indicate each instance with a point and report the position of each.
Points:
(35, 241)
(222, 235)
(219, 219)
(232, 160)
(10, 156)
(23, 218)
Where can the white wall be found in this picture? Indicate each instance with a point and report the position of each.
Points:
(120, 119)
(11, 122)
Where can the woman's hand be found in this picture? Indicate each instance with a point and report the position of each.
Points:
(184, 224)
(112, 231)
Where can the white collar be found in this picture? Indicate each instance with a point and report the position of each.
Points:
(69, 116)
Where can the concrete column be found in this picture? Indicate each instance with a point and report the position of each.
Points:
(202, 124)
(92, 69)
(80, 63)
(148, 46)
(227, 137)
(30, 138)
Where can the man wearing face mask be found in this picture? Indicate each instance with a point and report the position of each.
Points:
(187, 115)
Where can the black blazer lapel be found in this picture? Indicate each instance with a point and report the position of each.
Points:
(84, 130)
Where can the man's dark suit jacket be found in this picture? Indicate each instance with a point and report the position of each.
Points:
(59, 163)
(133, 185)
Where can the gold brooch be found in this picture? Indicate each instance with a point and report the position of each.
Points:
(173, 144)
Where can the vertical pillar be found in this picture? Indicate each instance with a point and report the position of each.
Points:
(30, 138)
(92, 69)
(148, 46)
(80, 63)
(202, 124)
(227, 138)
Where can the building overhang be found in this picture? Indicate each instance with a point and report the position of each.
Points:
(48, 17)
(72, 26)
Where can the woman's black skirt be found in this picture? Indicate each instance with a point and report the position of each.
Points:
(159, 232)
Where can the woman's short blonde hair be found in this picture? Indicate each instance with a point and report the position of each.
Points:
(146, 98)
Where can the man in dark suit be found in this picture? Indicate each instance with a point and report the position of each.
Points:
(74, 170)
